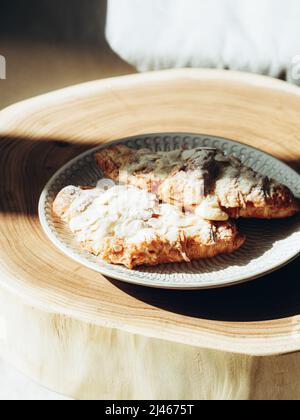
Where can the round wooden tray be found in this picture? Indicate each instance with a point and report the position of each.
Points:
(90, 337)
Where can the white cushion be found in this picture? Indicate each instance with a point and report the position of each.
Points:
(261, 36)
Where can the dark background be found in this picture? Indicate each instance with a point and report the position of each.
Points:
(52, 44)
(68, 21)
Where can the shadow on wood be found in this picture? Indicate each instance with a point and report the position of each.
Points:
(272, 297)
(21, 161)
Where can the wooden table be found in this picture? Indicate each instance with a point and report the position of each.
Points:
(34, 68)
(86, 336)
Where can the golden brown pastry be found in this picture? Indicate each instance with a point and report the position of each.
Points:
(204, 180)
(127, 225)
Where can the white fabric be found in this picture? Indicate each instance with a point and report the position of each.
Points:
(261, 36)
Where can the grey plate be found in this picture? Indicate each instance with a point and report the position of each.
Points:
(269, 245)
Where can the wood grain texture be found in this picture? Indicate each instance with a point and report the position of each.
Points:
(109, 329)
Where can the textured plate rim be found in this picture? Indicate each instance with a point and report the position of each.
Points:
(130, 277)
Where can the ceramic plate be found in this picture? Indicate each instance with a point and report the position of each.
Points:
(269, 245)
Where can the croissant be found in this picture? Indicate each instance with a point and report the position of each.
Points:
(126, 225)
(204, 180)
